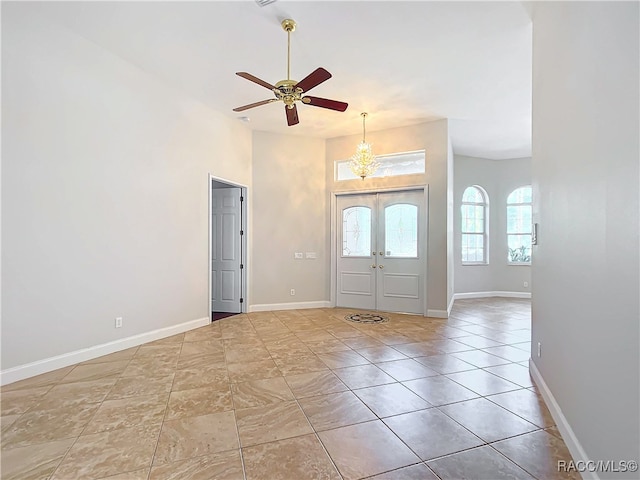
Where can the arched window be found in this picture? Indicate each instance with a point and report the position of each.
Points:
(519, 211)
(475, 210)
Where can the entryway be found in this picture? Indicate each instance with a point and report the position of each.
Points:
(227, 247)
(381, 251)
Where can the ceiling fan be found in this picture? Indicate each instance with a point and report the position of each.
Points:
(291, 91)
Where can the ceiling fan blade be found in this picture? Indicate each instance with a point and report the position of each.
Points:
(257, 104)
(325, 103)
(314, 79)
(254, 79)
(292, 115)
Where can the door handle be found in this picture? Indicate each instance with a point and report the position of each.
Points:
(381, 253)
(380, 266)
(373, 266)
(373, 253)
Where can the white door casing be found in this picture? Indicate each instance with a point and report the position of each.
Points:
(381, 251)
(226, 250)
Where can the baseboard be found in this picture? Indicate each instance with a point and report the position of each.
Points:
(437, 313)
(32, 369)
(288, 306)
(569, 437)
(460, 296)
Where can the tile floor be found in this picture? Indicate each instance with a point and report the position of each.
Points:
(295, 395)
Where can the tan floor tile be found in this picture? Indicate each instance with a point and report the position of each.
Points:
(513, 372)
(246, 355)
(95, 371)
(203, 334)
(39, 426)
(34, 461)
(419, 349)
(300, 364)
(297, 458)
(445, 363)
(258, 393)
(137, 386)
(362, 342)
(335, 410)
(7, 420)
(476, 341)
(394, 399)
(483, 383)
(141, 474)
(527, 405)
(487, 420)
(149, 365)
(128, 412)
(539, 453)
(431, 434)
(19, 401)
(407, 369)
(482, 463)
(173, 339)
(414, 472)
(199, 401)
(243, 372)
(168, 350)
(273, 422)
(315, 383)
(381, 354)
(200, 377)
(509, 353)
(439, 390)
(201, 361)
(70, 394)
(45, 380)
(480, 358)
(219, 466)
(342, 359)
(326, 346)
(366, 449)
(362, 376)
(109, 453)
(196, 436)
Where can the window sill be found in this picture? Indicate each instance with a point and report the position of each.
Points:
(475, 264)
(519, 264)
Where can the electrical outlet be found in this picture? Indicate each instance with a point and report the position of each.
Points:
(293, 291)
(526, 284)
(118, 322)
(539, 349)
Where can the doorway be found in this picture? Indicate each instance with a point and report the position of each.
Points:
(381, 251)
(227, 247)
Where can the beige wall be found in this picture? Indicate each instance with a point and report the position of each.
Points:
(104, 193)
(585, 271)
(289, 214)
(433, 137)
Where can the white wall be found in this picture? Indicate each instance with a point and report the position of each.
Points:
(289, 215)
(433, 137)
(498, 179)
(104, 193)
(585, 269)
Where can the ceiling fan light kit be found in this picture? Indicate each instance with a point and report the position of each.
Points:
(291, 91)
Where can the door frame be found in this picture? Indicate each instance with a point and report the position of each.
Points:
(244, 254)
(334, 234)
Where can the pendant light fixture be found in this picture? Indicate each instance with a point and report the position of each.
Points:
(363, 163)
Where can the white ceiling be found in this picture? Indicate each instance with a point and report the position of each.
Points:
(402, 62)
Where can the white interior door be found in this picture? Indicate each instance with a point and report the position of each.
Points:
(226, 245)
(381, 240)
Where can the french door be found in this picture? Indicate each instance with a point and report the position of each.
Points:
(381, 251)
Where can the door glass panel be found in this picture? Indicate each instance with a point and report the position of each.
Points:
(356, 232)
(401, 230)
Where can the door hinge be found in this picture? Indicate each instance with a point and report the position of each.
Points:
(242, 300)
(241, 232)
(241, 198)
(241, 266)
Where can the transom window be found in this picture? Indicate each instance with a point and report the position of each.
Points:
(474, 210)
(391, 165)
(519, 215)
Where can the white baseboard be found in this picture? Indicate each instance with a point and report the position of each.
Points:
(569, 437)
(32, 369)
(266, 307)
(460, 296)
(437, 313)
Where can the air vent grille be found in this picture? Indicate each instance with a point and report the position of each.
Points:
(264, 3)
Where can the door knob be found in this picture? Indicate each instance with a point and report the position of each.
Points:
(380, 266)
(373, 266)
(373, 253)
(382, 253)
